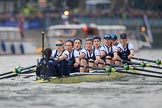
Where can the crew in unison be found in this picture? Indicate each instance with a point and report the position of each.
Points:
(74, 58)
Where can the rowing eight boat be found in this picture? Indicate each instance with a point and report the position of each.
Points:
(84, 77)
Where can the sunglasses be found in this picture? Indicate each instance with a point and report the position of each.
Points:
(58, 44)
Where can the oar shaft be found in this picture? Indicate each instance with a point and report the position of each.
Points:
(128, 72)
(134, 68)
(143, 59)
(28, 72)
(9, 76)
(158, 62)
(155, 67)
(29, 76)
(6, 73)
(120, 71)
(20, 69)
(16, 74)
(150, 71)
(143, 64)
(29, 67)
(85, 66)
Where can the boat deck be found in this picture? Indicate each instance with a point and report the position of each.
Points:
(84, 78)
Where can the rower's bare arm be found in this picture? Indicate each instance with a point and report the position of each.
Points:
(82, 55)
(77, 62)
(118, 49)
(115, 56)
(102, 54)
(63, 57)
(131, 54)
(98, 59)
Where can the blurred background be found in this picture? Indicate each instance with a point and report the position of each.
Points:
(142, 18)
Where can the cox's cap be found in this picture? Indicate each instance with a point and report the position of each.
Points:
(107, 36)
(123, 36)
(97, 37)
(114, 36)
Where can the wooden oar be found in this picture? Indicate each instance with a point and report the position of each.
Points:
(109, 70)
(18, 70)
(158, 62)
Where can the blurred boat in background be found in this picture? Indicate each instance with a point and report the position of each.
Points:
(71, 31)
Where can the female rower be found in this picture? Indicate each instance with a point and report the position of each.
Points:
(108, 51)
(78, 47)
(125, 49)
(70, 58)
(114, 39)
(58, 52)
(73, 57)
(97, 46)
(59, 45)
(88, 56)
(78, 44)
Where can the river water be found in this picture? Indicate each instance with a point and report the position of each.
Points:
(128, 92)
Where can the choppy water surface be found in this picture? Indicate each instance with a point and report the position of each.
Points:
(129, 92)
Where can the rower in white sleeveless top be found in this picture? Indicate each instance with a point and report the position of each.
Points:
(108, 51)
(97, 46)
(78, 44)
(125, 49)
(88, 55)
(78, 47)
(60, 55)
(114, 39)
(115, 43)
(59, 45)
(71, 56)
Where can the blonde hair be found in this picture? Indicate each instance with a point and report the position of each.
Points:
(60, 40)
